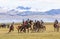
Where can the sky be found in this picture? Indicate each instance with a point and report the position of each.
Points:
(36, 5)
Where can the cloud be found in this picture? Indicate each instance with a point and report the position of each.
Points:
(3, 10)
(42, 5)
(23, 8)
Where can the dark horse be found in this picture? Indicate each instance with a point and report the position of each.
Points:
(3, 25)
(56, 26)
(24, 27)
(38, 26)
(11, 28)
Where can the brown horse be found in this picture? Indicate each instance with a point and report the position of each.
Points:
(31, 26)
(11, 28)
(24, 28)
(38, 26)
(43, 28)
(21, 28)
(56, 27)
(18, 28)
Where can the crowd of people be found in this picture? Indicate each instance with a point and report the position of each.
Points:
(29, 25)
(35, 26)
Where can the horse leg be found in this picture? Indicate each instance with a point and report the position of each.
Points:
(18, 30)
(44, 28)
(24, 29)
(54, 29)
(38, 30)
(27, 30)
(34, 29)
(9, 31)
(58, 29)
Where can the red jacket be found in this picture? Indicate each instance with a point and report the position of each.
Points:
(25, 23)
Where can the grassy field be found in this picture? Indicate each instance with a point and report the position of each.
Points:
(48, 34)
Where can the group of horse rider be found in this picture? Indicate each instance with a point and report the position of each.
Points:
(27, 26)
(36, 26)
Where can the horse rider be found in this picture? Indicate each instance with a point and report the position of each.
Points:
(42, 23)
(56, 26)
(11, 28)
(38, 25)
(56, 22)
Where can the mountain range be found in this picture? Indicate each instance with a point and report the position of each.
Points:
(28, 13)
(17, 16)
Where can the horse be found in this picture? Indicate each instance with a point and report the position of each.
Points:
(19, 28)
(38, 26)
(56, 27)
(31, 26)
(24, 28)
(3, 25)
(34, 27)
(43, 28)
(11, 28)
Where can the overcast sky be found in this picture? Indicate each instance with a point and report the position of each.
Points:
(38, 5)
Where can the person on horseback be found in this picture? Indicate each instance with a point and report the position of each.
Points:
(28, 20)
(56, 26)
(42, 23)
(34, 26)
(23, 27)
(56, 22)
(43, 28)
(11, 28)
(23, 21)
(38, 25)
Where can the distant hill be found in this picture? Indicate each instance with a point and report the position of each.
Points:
(15, 15)
(53, 12)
